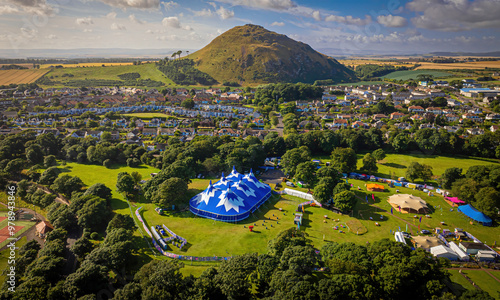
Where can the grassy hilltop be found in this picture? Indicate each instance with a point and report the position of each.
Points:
(252, 54)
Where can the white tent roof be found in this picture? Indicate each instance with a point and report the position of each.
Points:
(406, 201)
(442, 250)
(461, 254)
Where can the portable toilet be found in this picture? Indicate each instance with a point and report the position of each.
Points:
(298, 219)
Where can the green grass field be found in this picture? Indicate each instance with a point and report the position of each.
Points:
(91, 174)
(459, 283)
(4, 257)
(147, 71)
(412, 74)
(484, 281)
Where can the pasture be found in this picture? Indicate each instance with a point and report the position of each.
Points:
(474, 65)
(358, 62)
(20, 76)
(86, 65)
(65, 75)
(412, 74)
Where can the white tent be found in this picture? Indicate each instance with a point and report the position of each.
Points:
(443, 251)
(409, 203)
(461, 254)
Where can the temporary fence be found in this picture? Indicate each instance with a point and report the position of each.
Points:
(173, 255)
(299, 194)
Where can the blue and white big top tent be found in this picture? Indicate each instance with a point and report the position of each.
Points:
(231, 199)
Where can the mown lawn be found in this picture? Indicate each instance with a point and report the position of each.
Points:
(91, 174)
(484, 281)
(459, 283)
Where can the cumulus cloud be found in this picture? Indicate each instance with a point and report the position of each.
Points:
(392, 21)
(265, 4)
(277, 24)
(144, 4)
(84, 21)
(349, 20)
(135, 20)
(225, 13)
(171, 22)
(455, 15)
(111, 15)
(39, 7)
(316, 15)
(116, 26)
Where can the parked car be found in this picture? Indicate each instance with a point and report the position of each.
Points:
(406, 235)
(425, 231)
(289, 183)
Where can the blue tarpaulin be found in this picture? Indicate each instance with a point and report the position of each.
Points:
(474, 214)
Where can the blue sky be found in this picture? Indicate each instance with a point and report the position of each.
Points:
(335, 27)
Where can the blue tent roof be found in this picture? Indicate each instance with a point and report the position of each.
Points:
(474, 214)
(230, 199)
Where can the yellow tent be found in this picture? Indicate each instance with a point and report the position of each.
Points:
(375, 187)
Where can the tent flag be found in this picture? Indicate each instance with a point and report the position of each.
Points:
(373, 197)
(406, 227)
(366, 198)
(346, 181)
(419, 227)
(391, 210)
(399, 228)
(399, 208)
(420, 220)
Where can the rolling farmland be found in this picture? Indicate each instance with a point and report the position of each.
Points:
(20, 76)
(412, 74)
(466, 65)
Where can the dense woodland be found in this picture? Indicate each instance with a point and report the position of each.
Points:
(183, 72)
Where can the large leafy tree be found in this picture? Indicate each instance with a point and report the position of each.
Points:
(322, 193)
(344, 160)
(369, 164)
(93, 214)
(99, 190)
(306, 172)
(449, 176)
(66, 185)
(379, 154)
(125, 184)
(292, 158)
(344, 201)
(172, 190)
(488, 201)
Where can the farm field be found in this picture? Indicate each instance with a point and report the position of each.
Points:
(466, 65)
(357, 62)
(20, 76)
(99, 64)
(147, 71)
(412, 74)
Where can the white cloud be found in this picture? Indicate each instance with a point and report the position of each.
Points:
(392, 21)
(39, 7)
(171, 22)
(316, 15)
(116, 26)
(350, 20)
(51, 37)
(169, 5)
(135, 20)
(84, 21)
(188, 28)
(455, 15)
(144, 4)
(203, 13)
(277, 24)
(264, 4)
(225, 13)
(87, 30)
(111, 15)
(7, 10)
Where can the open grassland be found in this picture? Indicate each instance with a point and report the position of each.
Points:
(396, 164)
(484, 281)
(465, 65)
(147, 71)
(91, 174)
(459, 283)
(81, 65)
(20, 76)
(412, 74)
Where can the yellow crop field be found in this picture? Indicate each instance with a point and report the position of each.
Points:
(20, 76)
(466, 65)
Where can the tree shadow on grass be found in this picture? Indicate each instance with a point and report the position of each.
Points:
(395, 165)
(118, 204)
(65, 169)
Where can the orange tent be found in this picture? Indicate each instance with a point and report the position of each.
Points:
(375, 187)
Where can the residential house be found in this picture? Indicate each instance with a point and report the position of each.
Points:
(185, 131)
(228, 131)
(416, 109)
(494, 128)
(93, 133)
(475, 131)
(225, 123)
(149, 131)
(453, 103)
(403, 126)
(304, 123)
(378, 117)
(338, 123)
(434, 110)
(473, 117)
(452, 129)
(397, 115)
(378, 124)
(359, 124)
(493, 117)
(451, 117)
(165, 131)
